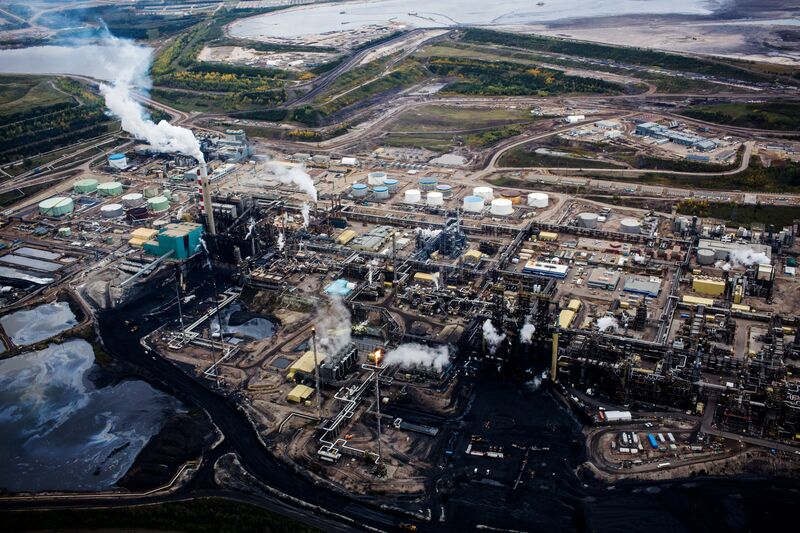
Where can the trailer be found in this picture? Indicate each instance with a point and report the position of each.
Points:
(653, 441)
(671, 438)
(661, 437)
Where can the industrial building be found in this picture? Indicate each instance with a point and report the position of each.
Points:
(181, 240)
(642, 285)
(603, 279)
(657, 131)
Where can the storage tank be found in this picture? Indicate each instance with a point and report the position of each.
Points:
(587, 220)
(178, 197)
(392, 184)
(111, 210)
(513, 196)
(376, 178)
(109, 188)
(487, 193)
(706, 256)
(359, 190)
(56, 206)
(428, 184)
(85, 186)
(434, 199)
(150, 191)
(137, 213)
(158, 203)
(631, 225)
(538, 199)
(381, 192)
(118, 161)
(502, 207)
(133, 199)
(473, 204)
(412, 196)
(446, 190)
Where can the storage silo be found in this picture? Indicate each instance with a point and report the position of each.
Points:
(587, 220)
(158, 204)
(428, 184)
(412, 196)
(502, 207)
(111, 210)
(150, 191)
(118, 161)
(473, 204)
(85, 186)
(446, 190)
(392, 184)
(434, 199)
(56, 206)
(538, 199)
(133, 199)
(358, 190)
(630, 225)
(487, 193)
(706, 257)
(381, 192)
(109, 188)
(376, 178)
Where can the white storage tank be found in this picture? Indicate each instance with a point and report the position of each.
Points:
(381, 192)
(538, 199)
(359, 190)
(150, 191)
(376, 178)
(112, 210)
(133, 199)
(434, 199)
(393, 184)
(631, 225)
(587, 220)
(118, 161)
(706, 257)
(487, 193)
(413, 196)
(502, 207)
(473, 204)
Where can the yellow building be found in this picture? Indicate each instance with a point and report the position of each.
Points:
(346, 236)
(423, 278)
(304, 366)
(574, 305)
(696, 300)
(710, 286)
(300, 394)
(473, 257)
(139, 236)
(565, 318)
(548, 236)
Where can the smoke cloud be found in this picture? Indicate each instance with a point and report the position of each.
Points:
(293, 175)
(306, 212)
(418, 355)
(492, 337)
(131, 70)
(744, 258)
(607, 322)
(281, 241)
(333, 326)
(527, 331)
(534, 384)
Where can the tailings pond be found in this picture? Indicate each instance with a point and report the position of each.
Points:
(29, 326)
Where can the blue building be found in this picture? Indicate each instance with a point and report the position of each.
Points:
(183, 239)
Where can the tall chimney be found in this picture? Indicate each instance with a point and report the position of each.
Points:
(206, 208)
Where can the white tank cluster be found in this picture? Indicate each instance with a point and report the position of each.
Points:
(381, 192)
(706, 256)
(359, 190)
(412, 196)
(112, 210)
(538, 199)
(587, 220)
(376, 178)
(473, 204)
(502, 207)
(487, 193)
(392, 184)
(434, 199)
(631, 225)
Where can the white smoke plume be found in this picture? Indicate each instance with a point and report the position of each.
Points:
(607, 322)
(333, 326)
(743, 258)
(130, 72)
(492, 337)
(534, 384)
(306, 212)
(418, 355)
(527, 331)
(293, 175)
(205, 248)
(281, 241)
(428, 233)
(251, 225)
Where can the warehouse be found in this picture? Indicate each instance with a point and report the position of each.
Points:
(642, 285)
(372, 240)
(709, 286)
(303, 369)
(300, 394)
(550, 270)
(603, 279)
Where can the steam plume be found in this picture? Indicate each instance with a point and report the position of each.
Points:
(744, 258)
(333, 326)
(306, 212)
(527, 331)
(492, 337)
(416, 355)
(607, 322)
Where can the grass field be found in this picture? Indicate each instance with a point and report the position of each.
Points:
(440, 142)
(20, 93)
(773, 115)
(449, 118)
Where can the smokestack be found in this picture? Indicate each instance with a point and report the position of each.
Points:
(206, 208)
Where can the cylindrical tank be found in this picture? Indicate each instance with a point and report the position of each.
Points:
(487, 193)
(117, 161)
(65, 231)
(109, 188)
(630, 225)
(502, 207)
(167, 193)
(412, 196)
(446, 190)
(473, 204)
(587, 220)
(513, 196)
(85, 186)
(381, 192)
(111, 210)
(158, 203)
(133, 199)
(706, 256)
(428, 184)
(538, 199)
(178, 197)
(150, 191)
(392, 184)
(56, 206)
(376, 178)
(434, 198)
(359, 190)
(137, 213)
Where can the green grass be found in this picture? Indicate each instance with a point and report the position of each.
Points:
(21, 93)
(773, 115)
(446, 118)
(210, 515)
(430, 141)
(779, 215)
